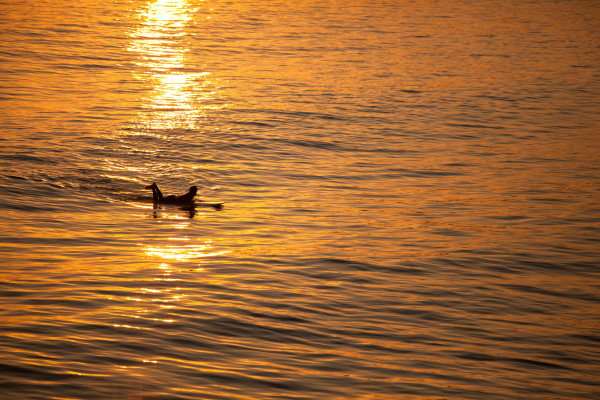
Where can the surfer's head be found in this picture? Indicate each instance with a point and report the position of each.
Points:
(152, 186)
(193, 190)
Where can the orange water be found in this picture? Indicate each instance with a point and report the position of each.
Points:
(411, 200)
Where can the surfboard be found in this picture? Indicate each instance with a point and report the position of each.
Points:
(215, 204)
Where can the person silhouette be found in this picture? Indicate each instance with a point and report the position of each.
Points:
(184, 199)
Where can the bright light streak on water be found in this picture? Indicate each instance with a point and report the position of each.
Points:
(411, 200)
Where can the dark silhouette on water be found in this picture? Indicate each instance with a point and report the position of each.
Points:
(184, 199)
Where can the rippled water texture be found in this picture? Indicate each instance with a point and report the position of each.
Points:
(411, 195)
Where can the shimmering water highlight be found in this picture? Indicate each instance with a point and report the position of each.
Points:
(411, 200)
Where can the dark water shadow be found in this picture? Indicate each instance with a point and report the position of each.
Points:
(189, 209)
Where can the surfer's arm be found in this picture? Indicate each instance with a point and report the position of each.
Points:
(159, 194)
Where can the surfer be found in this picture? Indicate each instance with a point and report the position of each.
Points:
(184, 199)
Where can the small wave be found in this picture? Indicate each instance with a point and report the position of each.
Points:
(425, 173)
(474, 126)
(29, 157)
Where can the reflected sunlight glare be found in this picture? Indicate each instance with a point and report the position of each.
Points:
(179, 93)
(183, 253)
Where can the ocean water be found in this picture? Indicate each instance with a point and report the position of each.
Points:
(411, 199)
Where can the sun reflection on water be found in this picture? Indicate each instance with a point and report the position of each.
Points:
(180, 94)
(156, 300)
(182, 253)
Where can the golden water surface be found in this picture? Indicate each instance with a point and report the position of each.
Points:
(411, 199)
